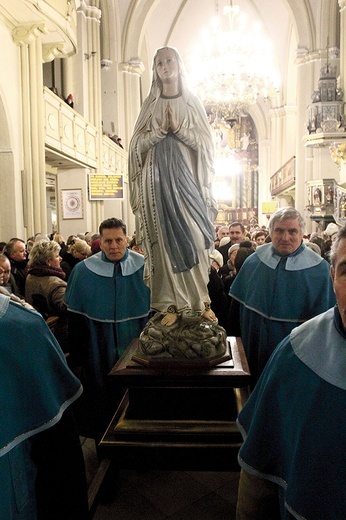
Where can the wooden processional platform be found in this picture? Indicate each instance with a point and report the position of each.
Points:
(178, 415)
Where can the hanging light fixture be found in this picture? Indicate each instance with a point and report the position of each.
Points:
(231, 69)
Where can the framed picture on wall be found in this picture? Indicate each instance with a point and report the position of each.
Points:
(72, 204)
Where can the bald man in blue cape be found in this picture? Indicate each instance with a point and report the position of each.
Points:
(109, 306)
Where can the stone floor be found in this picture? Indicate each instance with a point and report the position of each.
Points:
(157, 495)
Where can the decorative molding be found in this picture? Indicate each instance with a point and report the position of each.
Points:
(50, 52)
(303, 55)
(133, 66)
(338, 153)
(114, 158)
(90, 11)
(106, 64)
(284, 178)
(27, 34)
(326, 112)
(68, 133)
(342, 4)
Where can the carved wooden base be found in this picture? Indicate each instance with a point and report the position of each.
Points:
(178, 416)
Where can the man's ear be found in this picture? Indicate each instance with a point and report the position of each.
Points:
(332, 274)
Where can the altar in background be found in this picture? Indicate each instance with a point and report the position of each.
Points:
(235, 185)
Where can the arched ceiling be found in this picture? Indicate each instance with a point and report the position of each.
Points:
(293, 26)
(149, 24)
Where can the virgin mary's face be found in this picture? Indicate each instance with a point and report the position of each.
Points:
(166, 65)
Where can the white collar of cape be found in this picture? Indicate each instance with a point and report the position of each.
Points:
(321, 347)
(295, 261)
(130, 263)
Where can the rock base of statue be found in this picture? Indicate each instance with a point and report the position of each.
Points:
(191, 339)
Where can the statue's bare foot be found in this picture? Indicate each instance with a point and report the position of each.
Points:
(209, 315)
(169, 319)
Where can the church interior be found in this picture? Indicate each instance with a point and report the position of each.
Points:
(75, 74)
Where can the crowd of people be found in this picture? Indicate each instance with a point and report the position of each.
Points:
(287, 302)
(293, 427)
(61, 375)
(282, 291)
(233, 244)
(39, 269)
(265, 285)
(38, 272)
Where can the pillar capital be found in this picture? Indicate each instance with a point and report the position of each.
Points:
(304, 55)
(27, 34)
(342, 4)
(56, 50)
(133, 66)
(90, 11)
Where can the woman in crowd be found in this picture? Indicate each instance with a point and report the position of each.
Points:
(171, 169)
(77, 251)
(218, 297)
(228, 271)
(45, 286)
(57, 237)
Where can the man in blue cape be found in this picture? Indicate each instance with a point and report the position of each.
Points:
(109, 306)
(279, 287)
(42, 471)
(294, 423)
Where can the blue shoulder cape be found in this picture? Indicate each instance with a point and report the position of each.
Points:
(277, 294)
(292, 288)
(36, 387)
(109, 292)
(294, 425)
(114, 299)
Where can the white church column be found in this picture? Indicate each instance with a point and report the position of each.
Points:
(305, 86)
(87, 83)
(28, 38)
(67, 77)
(342, 4)
(264, 179)
(132, 71)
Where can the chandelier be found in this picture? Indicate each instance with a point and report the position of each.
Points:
(231, 69)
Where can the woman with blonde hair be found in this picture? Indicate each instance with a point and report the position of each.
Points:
(45, 285)
(79, 250)
(57, 237)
